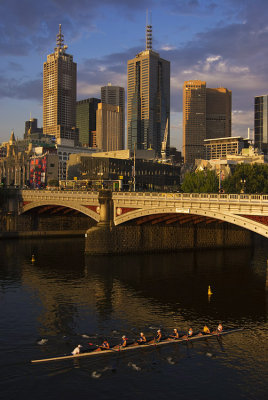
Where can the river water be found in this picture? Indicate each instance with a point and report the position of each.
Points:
(69, 299)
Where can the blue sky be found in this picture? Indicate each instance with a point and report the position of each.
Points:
(223, 42)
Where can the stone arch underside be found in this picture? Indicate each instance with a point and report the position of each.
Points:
(77, 207)
(234, 219)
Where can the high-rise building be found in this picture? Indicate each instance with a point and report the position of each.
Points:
(148, 99)
(86, 120)
(59, 93)
(194, 120)
(206, 115)
(31, 127)
(115, 95)
(218, 113)
(109, 127)
(261, 123)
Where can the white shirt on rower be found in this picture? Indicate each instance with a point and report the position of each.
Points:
(76, 350)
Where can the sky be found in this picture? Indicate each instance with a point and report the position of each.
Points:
(223, 42)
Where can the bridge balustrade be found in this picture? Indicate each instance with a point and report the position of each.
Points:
(255, 198)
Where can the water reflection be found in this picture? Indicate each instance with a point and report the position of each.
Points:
(162, 289)
(63, 295)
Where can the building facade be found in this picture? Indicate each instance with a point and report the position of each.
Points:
(261, 123)
(221, 148)
(148, 99)
(102, 171)
(194, 120)
(115, 95)
(86, 120)
(109, 127)
(59, 93)
(218, 113)
(206, 115)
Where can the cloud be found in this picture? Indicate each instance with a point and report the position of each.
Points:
(13, 88)
(167, 47)
(31, 25)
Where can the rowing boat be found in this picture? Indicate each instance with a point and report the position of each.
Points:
(164, 342)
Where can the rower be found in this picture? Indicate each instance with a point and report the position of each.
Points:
(189, 334)
(218, 330)
(142, 339)
(206, 330)
(158, 336)
(104, 346)
(76, 350)
(175, 335)
(124, 341)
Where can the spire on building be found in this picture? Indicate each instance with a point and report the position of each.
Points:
(149, 35)
(60, 38)
(61, 47)
(12, 139)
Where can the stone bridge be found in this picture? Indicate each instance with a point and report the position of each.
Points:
(143, 208)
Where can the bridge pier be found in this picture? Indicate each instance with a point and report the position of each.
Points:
(105, 238)
(100, 238)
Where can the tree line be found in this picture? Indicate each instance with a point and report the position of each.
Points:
(246, 178)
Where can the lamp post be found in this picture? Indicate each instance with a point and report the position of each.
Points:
(243, 183)
(134, 169)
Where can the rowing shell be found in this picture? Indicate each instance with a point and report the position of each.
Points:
(92, 353)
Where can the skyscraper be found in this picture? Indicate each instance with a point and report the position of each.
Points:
(115, 95)
(194, 120)
(109, 127)
(86, 120)
(261, 123)
(148, 99)
(206, 115)
(59, 92)
(218, 113)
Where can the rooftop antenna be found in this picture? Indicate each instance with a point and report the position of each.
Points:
(149, 36)
(60, 39)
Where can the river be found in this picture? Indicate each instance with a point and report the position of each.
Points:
(68, 299)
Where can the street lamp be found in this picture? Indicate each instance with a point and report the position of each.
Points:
(243, 183)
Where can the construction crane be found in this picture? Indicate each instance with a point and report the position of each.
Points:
(164, 144)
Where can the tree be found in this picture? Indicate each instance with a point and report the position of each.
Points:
(247, 178)
(200, 182)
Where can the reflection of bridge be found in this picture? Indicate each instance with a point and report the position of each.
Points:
(246, 211)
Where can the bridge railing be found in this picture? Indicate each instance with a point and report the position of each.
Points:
(214, 197)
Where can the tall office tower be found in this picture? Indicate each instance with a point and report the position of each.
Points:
(86, 120)
(261, 123)
(148, 99)
(218, 113)
(206, 115)
(109, 127)
(194, 120)
(59, 93)
(115, 95)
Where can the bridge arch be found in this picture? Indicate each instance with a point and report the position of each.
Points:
(75, 206)
(235, 219)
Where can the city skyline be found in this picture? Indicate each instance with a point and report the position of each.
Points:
(223, 44)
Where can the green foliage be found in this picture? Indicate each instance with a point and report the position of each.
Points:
(200, 182)
(247, 178)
